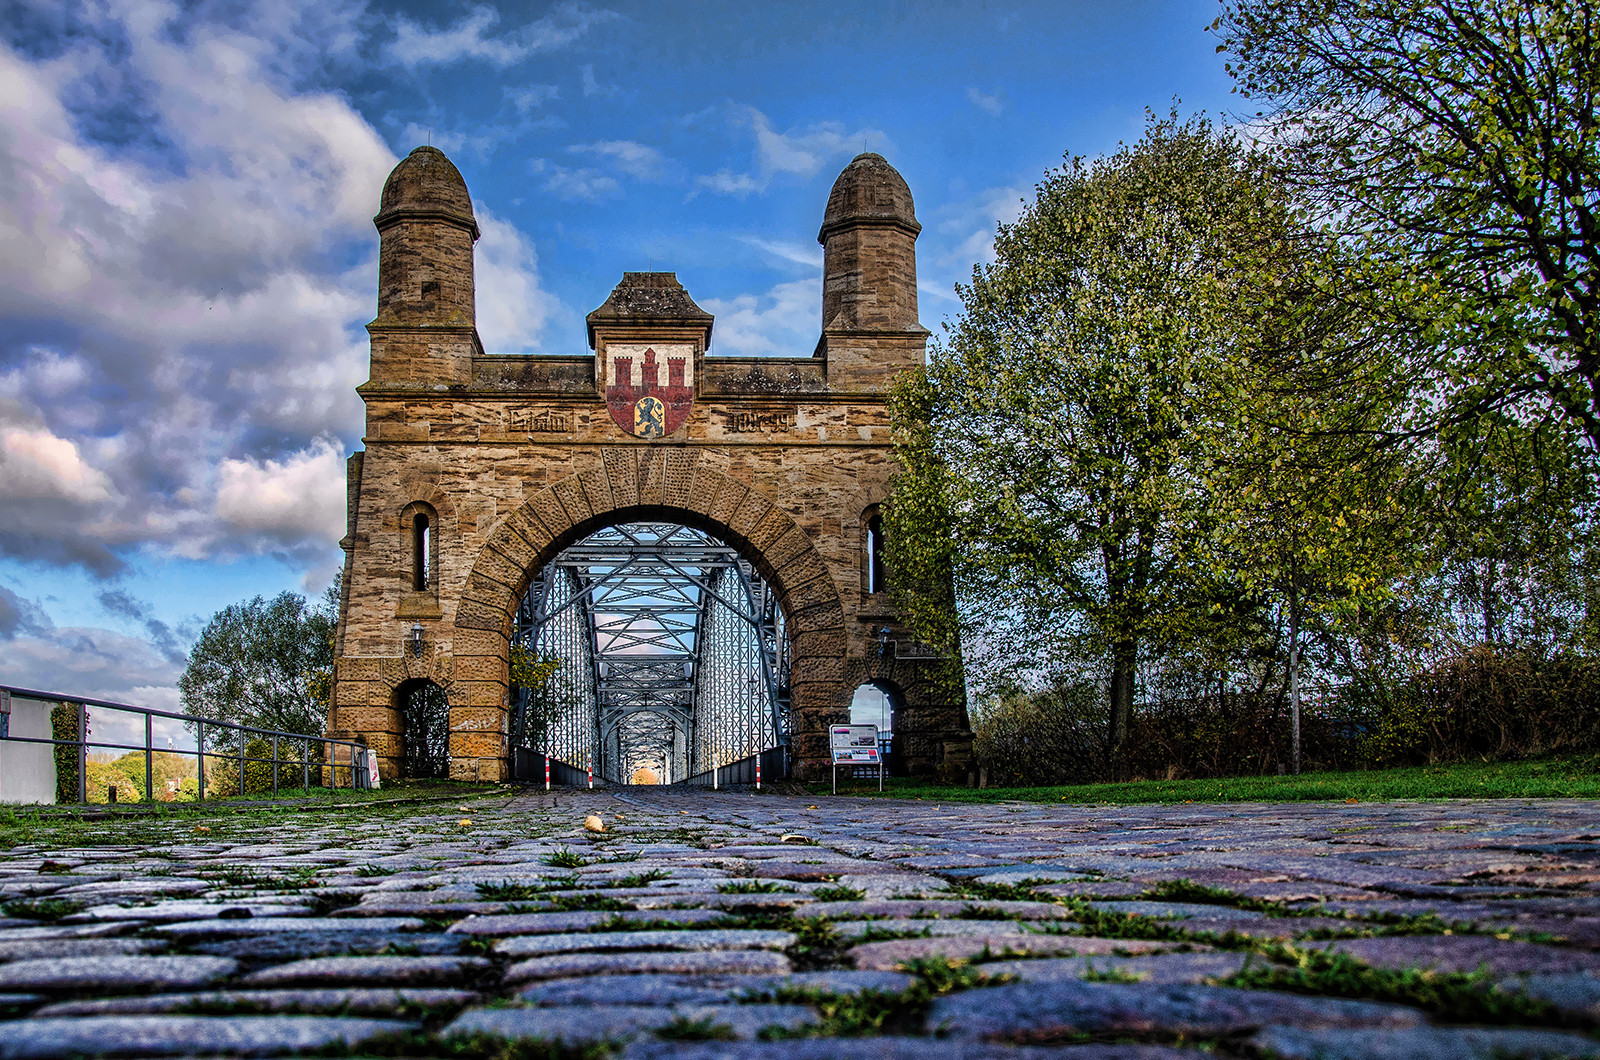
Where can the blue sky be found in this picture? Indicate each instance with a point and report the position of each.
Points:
(187, 256)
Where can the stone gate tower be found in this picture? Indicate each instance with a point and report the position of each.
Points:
(478, 469)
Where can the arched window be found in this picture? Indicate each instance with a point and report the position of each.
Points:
(877, 578)
(420, 524)
(421, 539)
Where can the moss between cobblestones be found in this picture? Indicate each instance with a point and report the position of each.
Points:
(1454, 997)
(875, 1012)
(48, 909)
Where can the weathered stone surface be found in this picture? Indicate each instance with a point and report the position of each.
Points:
(889, 955)
(267, 925)
(617, 1022)
(184, 1035)
(740, 962)
(407, 971)
(1424, 1043)
(905, 925)
(702, 989)
(894, 1049)
(113, 973)
(364, 1001)
(1054, 1009)
(532, 945)
(555, 923)
(36, 948)
(935, 907)
(1155, 969)
(1466, 953)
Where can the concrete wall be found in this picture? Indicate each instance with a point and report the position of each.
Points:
(28, 770)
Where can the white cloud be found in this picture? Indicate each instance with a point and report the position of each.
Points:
(584, 184)
(512, 309)
(637, 160)
(36, 465)
(289, 499)
(470, 38)
(799, 151)
(781, 322)
(592, 87)
(990, 104)
(531, 97)
(808, 255)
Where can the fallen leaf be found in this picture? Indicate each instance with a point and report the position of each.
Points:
(463, 809)
(794, 837)
(814, 805)
(593, 823)
(465, 822)
(201, 828)
(1352, 800)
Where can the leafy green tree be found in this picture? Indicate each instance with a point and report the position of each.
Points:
(1064, 434)
(1453, 144)
(263, 663)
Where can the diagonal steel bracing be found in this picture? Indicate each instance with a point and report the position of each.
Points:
(670, 655)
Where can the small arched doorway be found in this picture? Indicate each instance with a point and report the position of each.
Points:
(425, 730)
(878, 703)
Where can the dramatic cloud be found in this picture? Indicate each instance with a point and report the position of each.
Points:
(799, 152)
(21, 616)
(189, 262)
(416, 45)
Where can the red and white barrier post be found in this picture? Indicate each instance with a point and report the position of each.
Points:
(758, 772)
(547, 772)
(591, 776)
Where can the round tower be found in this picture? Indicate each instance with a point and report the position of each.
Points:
(869, 258)
(427, 230)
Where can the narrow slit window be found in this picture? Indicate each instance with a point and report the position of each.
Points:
(876, 580)
(421, 553)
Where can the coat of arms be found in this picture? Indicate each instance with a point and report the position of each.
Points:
(650, 390)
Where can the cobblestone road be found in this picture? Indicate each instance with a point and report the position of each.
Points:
(726, 925)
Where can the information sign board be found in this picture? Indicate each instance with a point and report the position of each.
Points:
(854, 745)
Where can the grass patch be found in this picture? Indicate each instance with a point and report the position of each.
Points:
(683, 1029)
(875, 1012)
(370, 871)
(49, 909)
(754, 887)
(1455, 997)
(833, 893)
(511, 891)
(1575, 777)
(566, 859)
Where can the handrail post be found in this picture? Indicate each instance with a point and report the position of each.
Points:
(200, 743)
(305, 766)
(274, 765)
(241, 761)
(83, 752)
(149, 768)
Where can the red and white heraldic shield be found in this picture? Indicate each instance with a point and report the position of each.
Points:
(650, 389)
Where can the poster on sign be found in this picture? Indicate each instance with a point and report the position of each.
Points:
(854, 745)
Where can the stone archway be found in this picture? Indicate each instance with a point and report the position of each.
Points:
(654, 484)
(512, 457)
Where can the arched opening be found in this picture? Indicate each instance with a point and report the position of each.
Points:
(651, 651)
(420, 524)
(877, 703)
(877, 578)
(425, 730)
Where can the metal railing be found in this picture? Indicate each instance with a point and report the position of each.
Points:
(773, 764)
(317, 753)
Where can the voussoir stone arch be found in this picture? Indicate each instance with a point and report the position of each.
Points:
(670, 485)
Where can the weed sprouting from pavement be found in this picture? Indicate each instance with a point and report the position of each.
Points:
(754, 887)
(835, 893)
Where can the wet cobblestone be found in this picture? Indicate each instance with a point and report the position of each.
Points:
(729, 926)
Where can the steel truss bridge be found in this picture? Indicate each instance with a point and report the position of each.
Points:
(669, 656)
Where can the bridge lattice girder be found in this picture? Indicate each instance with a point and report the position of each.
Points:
(672, 654)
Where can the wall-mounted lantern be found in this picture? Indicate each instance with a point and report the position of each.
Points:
(415, 639)
(883, 641)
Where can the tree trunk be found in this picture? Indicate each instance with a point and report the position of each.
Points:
(1124, 653)
(1294, 676)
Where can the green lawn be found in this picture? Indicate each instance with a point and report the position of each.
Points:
(1564, 778)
